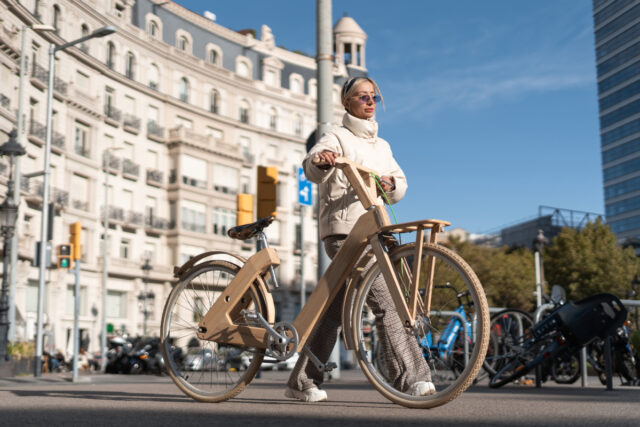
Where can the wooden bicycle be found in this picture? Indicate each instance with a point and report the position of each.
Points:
(219, 321)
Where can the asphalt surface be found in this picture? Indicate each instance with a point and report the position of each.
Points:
(119, 400)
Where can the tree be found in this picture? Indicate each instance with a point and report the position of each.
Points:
(588, 261)
(507, 276)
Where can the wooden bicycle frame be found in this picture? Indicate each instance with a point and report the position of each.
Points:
(217, 324)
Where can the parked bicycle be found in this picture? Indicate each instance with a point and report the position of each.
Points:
(223, 300)
(560, 334)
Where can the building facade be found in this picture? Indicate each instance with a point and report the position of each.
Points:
(617, 44)
(178, 111)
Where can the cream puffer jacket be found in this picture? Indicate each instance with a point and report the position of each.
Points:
(358, 141)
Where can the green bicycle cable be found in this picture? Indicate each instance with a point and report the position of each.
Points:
(376, 178)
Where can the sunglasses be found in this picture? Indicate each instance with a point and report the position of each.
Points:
(365, 99)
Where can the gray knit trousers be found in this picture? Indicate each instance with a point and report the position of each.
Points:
(404, 360)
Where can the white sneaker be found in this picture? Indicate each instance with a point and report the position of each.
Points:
(313, 394)
(422, 388)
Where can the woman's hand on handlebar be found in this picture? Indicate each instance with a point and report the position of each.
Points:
(325, 159)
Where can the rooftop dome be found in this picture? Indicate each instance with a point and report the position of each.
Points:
(347, 24)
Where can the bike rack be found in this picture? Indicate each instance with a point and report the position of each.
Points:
(583, 354)
(463, 320)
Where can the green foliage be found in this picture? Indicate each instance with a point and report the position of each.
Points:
(22, 349)
(508, 276)
(589, 261)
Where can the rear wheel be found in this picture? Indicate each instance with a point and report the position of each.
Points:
(566, 370)
(205, 370)
(508, 330)
(448, 268)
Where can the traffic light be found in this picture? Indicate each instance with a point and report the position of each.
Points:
(75, 231)
(245, 209)
(64, 255)
(267, 181)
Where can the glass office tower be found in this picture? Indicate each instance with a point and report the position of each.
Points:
(617, 38)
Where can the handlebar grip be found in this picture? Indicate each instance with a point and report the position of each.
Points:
(317, 161)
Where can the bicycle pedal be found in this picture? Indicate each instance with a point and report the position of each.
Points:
(330, 366)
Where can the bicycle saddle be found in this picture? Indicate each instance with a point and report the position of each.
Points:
(247, 231)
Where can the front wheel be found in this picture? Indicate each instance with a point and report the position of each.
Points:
(205, 370)
(405, 362)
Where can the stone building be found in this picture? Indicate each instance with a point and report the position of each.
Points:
(186, 110)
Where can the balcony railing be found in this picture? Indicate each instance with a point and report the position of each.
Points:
(38, 130)
(114, 163)
(155, 129)
(130, 168)
(151, 221)
(59, 85)
(82, 150)
(40, 73)
(135, 218)
(116, 214)
(80, 204)
(58, 140)
(200, 228)
(112, 112)
(5, 101)
(132, 121)
(154, 176)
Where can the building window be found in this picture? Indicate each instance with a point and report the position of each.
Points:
(223, 220)
(130, 65)
(193, 216)
(244, 111)
(297, 125)
(225, 179)
(154, 77)
(111, 54)
(125, 248)
(296, 84)
(213, 56)
(273, 119)
(56, 18)
(82, 301)
(184, 90)
(81, 145)
(183, 43)
(85, 32)
(194, 171)
(154, 30)
(116, 304)
(243, 68)
(214, 101)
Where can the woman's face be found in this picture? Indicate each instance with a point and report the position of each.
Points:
(360, 108)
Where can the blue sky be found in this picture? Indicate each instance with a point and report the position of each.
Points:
(490, 106)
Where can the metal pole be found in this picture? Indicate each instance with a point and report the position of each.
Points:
(583, 366)
(4, 298)
(16, 187)
(105, 256)
(45, 214)
(76, 312)
(536, 257)
(303, 287)
(324, 60)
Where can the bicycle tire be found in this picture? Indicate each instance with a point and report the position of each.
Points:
(450, 267)
(566, 370)
(521, 364)
(508, 330)
(206, 373)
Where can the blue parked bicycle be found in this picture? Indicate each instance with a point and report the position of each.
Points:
(443, 346)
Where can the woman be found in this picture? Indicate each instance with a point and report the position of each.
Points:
(357, 140)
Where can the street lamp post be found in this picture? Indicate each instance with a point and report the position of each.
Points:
(100, 32)
(146, 268)
(16, 182)
(8, 216)
(105, 257)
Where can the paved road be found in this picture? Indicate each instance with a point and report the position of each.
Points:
(146, 400)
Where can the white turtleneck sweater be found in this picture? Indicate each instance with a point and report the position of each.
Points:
(358, 141)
